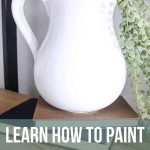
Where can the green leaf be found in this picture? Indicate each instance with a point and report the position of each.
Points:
(134, 39)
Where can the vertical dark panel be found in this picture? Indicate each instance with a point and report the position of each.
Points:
(9, 47)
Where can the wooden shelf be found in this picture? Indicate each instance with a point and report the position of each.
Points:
(9, 99)
(118, 110)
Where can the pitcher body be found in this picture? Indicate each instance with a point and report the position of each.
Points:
(79, 67)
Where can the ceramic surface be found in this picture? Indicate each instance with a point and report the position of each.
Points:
(79, 67)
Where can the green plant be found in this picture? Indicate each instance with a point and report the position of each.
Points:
(134, 38)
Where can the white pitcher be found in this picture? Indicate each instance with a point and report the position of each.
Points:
(79, 67)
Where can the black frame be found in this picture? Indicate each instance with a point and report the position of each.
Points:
(9, 47)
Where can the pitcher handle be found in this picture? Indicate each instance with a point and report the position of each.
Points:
(23, 25)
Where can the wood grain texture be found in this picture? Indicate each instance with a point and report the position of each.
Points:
(9, 99)
(119, 109)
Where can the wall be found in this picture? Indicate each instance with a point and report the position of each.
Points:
(36, 15)
(1, 53)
